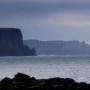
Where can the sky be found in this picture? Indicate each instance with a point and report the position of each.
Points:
(48, 19)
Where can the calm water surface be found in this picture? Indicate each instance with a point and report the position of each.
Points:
(76, 67)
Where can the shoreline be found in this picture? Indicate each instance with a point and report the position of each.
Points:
(22, 81)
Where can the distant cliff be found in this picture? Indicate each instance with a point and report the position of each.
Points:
(11, 43)
(58, 47)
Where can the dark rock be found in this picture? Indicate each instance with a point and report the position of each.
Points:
(68, 81)
(33, 81)
(82, 84)
(59, 87)
(5, 82)
(20, 77)
(24, 79)
(53, 81)
(24, 82)
(11, 43)
(33, 88)
(21, 85)
(13, 87)
(58, 81)
(73, 86)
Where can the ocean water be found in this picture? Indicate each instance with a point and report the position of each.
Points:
(64, 66)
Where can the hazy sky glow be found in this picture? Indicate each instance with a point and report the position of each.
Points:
(48, 19)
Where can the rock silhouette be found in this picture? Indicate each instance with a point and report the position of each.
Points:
(24, 82)
(11, 43)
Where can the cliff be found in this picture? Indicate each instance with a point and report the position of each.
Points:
(11, 43)
(58, 47)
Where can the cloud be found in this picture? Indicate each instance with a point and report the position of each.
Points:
(45, 14)
(41, 8)
(48, 19)
(44, 5)
(45, 1)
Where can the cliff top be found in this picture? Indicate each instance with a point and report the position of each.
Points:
(9, 29)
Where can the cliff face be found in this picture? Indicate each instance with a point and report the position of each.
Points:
(11, 43)
(10, 36)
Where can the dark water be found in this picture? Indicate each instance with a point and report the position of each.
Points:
(76, 67)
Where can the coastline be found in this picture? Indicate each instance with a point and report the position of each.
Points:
(24, 82)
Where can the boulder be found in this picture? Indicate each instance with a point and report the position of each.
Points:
(5, 83)
(20, 77)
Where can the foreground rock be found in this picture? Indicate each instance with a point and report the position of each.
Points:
(11, 43)
(25, 82)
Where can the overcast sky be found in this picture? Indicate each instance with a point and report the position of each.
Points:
(48, 19)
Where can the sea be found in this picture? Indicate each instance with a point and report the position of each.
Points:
(47, 66)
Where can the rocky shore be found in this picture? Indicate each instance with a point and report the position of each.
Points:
(24, 82)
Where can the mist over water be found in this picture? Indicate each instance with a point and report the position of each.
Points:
(64, 66)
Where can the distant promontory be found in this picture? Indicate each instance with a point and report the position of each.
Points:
(59, 47)
(11, 43)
